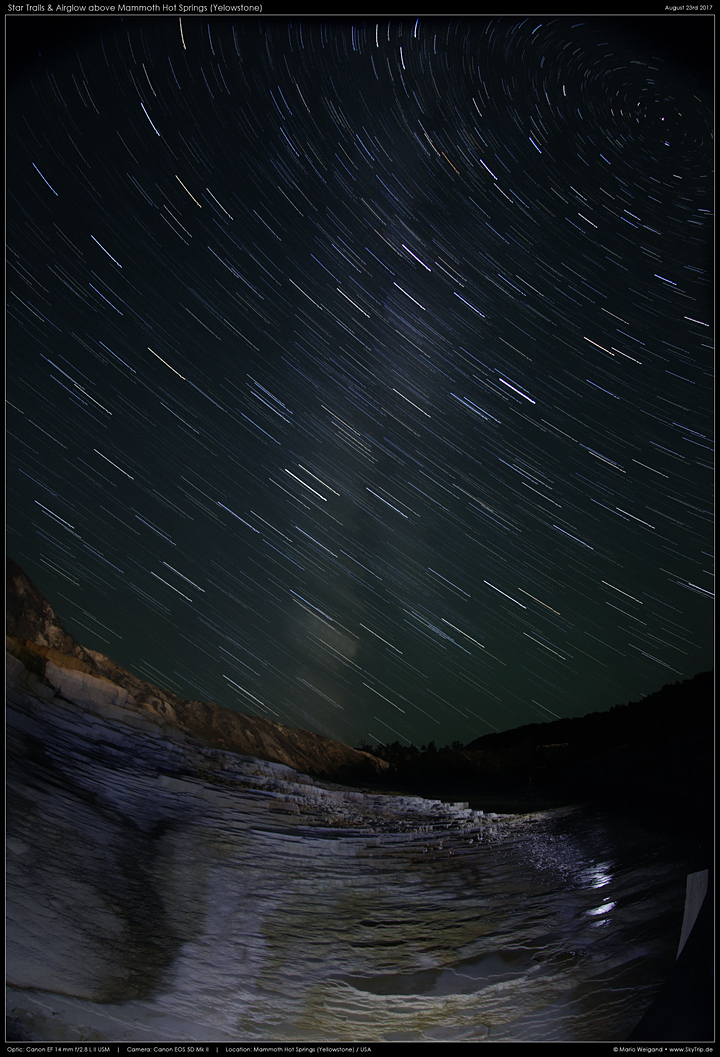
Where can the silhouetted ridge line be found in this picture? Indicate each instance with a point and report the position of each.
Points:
(649, 719)
(652, 757)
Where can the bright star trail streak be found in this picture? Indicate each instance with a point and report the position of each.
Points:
(373, 328)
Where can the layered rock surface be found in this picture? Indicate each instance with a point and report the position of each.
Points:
(160, 889)
(33, 626)
(118, 820)
(164, 883)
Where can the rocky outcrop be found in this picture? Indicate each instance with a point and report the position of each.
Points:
(162, 887)
(126, 837)
(29, 616)
(160, 890)
(37, 637)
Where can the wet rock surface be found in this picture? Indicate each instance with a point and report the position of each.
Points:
(180, 872)
(160, 888)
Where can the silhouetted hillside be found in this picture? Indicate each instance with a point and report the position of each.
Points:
(672, 710)
(654, 756)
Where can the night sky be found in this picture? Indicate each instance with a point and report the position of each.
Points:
(359, 373)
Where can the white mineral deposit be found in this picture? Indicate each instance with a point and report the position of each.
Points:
(163, 889)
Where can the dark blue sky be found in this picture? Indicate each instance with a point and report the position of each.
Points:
(360, 373)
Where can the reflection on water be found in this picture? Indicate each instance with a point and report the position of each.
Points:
(280, 910)
(161, 890)
(560, 926)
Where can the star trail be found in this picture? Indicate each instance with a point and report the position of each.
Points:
(360, 372)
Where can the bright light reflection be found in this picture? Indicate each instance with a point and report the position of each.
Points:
(604, 909)
(598, 875)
